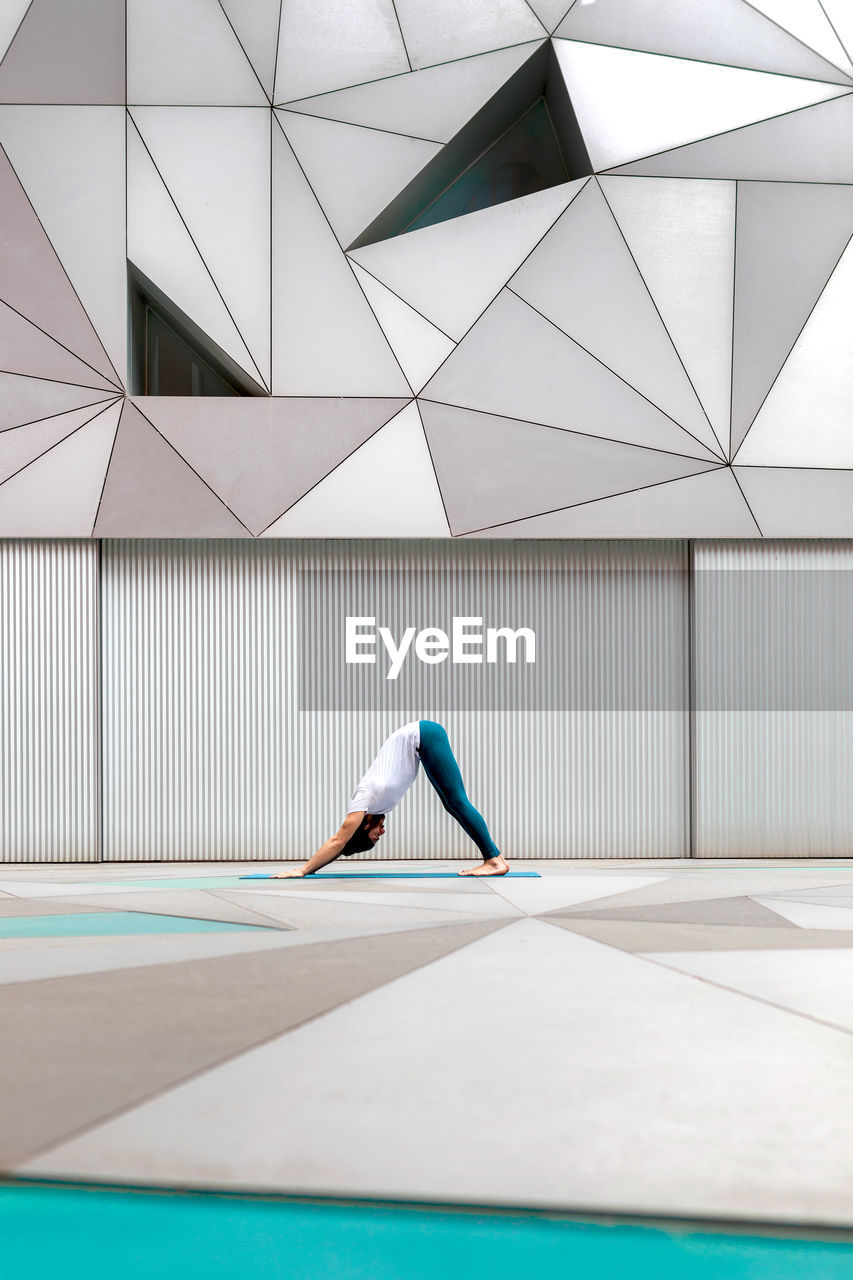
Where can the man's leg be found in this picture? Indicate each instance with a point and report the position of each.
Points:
(443, 772)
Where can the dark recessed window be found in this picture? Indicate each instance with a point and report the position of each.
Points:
(525, 159)
(526, 138)
(172, 356)
(173, 368)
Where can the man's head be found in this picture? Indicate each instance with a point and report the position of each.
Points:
(365, 836)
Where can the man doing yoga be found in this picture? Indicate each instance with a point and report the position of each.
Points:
(384, 785)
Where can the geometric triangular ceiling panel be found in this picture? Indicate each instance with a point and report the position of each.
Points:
(708, 505)
(808, 21)
(731, 32)
(161, 247)
(71, 163)
(65, 53)
(150, 489)
(681, 234)
(801, 146)
(625, 100)
(432, 104)
(336, 44)
(395, 462)
(215, 163)
(583, 278)
(450, 272)
(517, 363)
(256, 27)
(805, 420)
(185, 52)
(444, 30)
(790, 237)
(490, 468)
(34, 282)
(633, 319)
(57, 495)
(259, 456)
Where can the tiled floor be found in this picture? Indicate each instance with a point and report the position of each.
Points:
(655, 1037)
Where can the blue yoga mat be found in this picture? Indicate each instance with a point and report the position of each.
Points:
(387, 875)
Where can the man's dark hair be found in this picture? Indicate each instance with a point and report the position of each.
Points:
(360, 841)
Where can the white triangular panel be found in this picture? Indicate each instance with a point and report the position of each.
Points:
(806, 419)
(57, 496)
(550, 12)
(11, 16)
(159, 244)
(840, 14)
(444, 30)
(185, 52)
(360, 41)
(70, 161)
(450, 272)
(631, 104)
(807, 20)
(387, 488)
(432, 104)
(708, 505)
(20, 446)
(681, 234)
(326, 340)
(417, 344)
(354, 172)
(215, 162)
(583, 279)
(256, 23)
(792, 502)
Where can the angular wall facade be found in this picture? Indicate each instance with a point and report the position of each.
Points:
(657, 346)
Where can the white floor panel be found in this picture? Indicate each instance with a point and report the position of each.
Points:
(817, 984)
(516, 1071)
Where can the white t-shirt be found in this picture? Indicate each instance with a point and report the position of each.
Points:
(391, 774)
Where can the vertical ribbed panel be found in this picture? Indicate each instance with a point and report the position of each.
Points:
(49, 701)
(208, 756)
(773, 724)
(198, 698)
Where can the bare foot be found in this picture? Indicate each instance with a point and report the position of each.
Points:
(489, 867)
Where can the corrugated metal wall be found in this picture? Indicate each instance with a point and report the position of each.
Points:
(773, 719)
(208, 754)
(49, 717)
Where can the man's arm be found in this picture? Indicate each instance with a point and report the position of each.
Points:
(328, 851)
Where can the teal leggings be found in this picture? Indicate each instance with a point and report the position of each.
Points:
(442, 770)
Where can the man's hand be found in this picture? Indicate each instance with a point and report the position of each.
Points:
(294, 874)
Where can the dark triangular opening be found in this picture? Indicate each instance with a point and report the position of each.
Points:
(170, 355)
(525, 139)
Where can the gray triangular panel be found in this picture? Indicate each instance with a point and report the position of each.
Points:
(33, 281)
(809, 145)
(151, 492)
(727, 911)
(727, 31)
(256, 24)
(792, 502)
(583, 278)
(262, 455)
(514, 362)
(26, 349)
(22, 445)
(24, 400)
(790, 237)
(492, 469)
(66, 52)
(708, 505)
(197, 1012)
